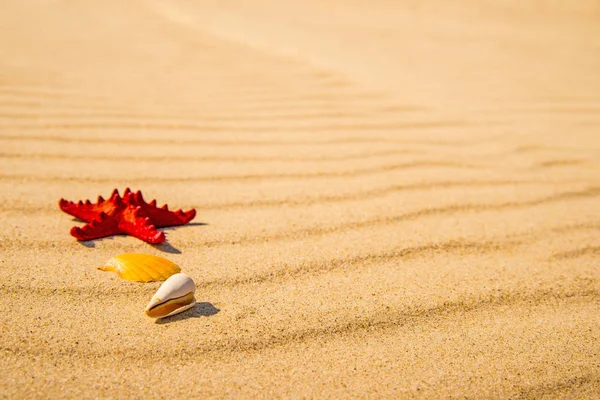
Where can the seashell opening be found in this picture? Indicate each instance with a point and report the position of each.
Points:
(141, 267)
(175, 295)
(171, 307)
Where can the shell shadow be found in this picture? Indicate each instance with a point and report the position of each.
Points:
(200, 310)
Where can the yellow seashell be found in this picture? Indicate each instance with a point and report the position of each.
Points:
(141, 267)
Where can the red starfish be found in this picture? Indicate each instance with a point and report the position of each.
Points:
(129, 214)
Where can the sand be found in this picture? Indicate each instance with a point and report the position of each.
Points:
(395, 200)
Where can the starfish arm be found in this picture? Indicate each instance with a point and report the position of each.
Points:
(99, 227)
(161, 217)
(81, 210)
(88, 211)
(135, 222)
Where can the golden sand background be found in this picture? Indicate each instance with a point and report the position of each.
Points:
(401, 199)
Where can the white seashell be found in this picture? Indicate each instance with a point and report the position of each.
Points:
(175, 295)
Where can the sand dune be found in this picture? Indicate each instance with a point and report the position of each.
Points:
(395, 200)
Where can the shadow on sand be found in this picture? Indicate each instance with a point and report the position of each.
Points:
(200, 310)
(164, 246)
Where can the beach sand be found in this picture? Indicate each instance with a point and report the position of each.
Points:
(394, 200)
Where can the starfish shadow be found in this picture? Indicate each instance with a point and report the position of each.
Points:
(199, 310)
(166, 247)
(92, 242)
(168, 228)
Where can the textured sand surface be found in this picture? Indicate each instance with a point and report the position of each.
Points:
(398, 199)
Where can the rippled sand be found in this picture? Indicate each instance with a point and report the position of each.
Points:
(394, 200)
